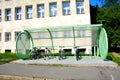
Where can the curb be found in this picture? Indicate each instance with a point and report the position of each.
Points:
(11, 77)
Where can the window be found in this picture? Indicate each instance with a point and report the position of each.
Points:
(7, 50)
(81, 33)
(18, 13)
(67, 34)
(54, 34)
(8, 14)
(0, 36)
(66, 8)
(40, 10)
(0, 16)
(41, 35)
(16, 34)
(80, 7)
(29, 12)
(53, 9)
(7, 0)
(7, 36)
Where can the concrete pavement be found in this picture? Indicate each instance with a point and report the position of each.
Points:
(59, 73)
(84, 69)
(50, 72)
(110, 73)
(70, 61)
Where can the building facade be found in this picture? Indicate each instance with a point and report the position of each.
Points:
(15, 15)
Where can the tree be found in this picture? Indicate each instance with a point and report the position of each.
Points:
(110, 12)
(109, 3)
(93, 14)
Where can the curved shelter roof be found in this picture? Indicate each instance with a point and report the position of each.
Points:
(51, 36)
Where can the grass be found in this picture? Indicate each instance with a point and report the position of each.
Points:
(113, 58)
(7, 57)
(69, 54)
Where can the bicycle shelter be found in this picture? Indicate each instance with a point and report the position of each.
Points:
(67, 36)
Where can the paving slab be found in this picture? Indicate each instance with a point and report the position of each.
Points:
(70, 61)
(51, 72)
(87, 68)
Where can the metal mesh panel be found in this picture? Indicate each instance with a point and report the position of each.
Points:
(24, 45)
(103, 44)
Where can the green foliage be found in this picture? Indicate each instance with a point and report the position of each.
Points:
(93, 14)
(113, 58)
(7, 57)
(111, 15)
(109, 3)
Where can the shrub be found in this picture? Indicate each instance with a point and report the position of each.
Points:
(113, 58)
(7, 57)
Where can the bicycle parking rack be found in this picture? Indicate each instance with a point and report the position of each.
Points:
(68, 36)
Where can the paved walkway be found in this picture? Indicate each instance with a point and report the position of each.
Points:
(87, 69)
(70, 61)
(50, 72)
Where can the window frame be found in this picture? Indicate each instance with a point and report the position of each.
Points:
(16, 34)
(80, 7)
(29, 15)
(67, 11)
(0, 15)
(51, 10)
(0, 36)
(8, 14)
(67, 34)
(54, 34)
(7, 36)
(81, 33)
(8, 50)
(40, 12)
(41, 35)
(18, 15)
(7, 0)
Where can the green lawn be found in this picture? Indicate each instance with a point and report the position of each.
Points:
(113, 58)
(7, 57)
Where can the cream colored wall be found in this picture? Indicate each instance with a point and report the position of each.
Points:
(19, 25)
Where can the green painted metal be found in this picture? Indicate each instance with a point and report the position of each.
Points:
(94, 51)
(86, 27)
(24, 44)
(98, 50)
(103, 43)
(98, 36)
(98, 53)
(32, 43)
(64, 37)
(51, 39)
(74, 36)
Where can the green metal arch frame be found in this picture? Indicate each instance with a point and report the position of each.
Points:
(74, 36)
(103, 43)
(20, 55)
(102, 51)
(51, 38)
(30, 37)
